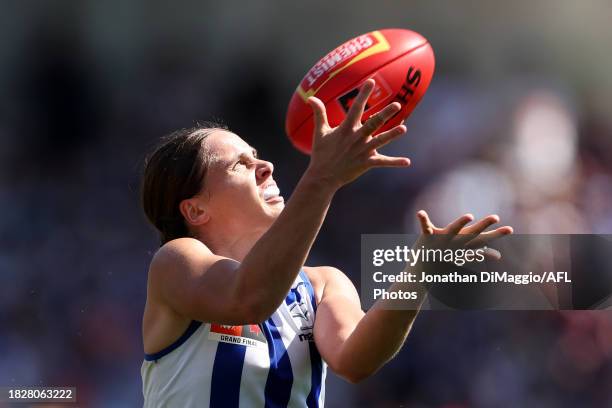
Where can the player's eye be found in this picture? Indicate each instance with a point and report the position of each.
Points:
(242, 162)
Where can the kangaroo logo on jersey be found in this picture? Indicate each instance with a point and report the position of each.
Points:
(248, 335)
(297, 301)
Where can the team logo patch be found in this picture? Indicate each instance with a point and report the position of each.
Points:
(302, 316)
(249, 335)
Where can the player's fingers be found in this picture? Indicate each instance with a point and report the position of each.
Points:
(380, 160)
(320, 115)
(427, 226)
(486, 237)
(481, 225)
(454, 227)
(377, 120)
(353, 116)
(386, 137)
(470, 232)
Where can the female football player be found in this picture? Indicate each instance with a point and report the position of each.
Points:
(233, 316)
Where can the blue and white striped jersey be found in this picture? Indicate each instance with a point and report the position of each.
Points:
(272, 364)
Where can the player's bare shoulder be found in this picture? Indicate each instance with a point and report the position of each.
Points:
(181, 253)
(326, 278)
(182, 257)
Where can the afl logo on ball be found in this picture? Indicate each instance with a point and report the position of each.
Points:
(380, 93)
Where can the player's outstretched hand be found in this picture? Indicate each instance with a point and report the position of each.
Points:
(341, 154)
(459, 234)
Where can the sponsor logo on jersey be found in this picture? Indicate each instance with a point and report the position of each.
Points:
(306, 337)
(249, 335)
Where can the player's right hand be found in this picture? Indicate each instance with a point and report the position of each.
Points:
(341, 154)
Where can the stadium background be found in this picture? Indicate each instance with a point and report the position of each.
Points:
(516, 121)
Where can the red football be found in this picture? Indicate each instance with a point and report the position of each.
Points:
(400, 61)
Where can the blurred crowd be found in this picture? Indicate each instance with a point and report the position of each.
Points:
(88, 89)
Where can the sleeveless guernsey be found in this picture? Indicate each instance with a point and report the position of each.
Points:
(272, 364)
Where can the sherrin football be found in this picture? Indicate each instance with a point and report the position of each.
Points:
(400, 61)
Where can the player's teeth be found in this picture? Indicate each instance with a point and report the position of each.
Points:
(271, 191)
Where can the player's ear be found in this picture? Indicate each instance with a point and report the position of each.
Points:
(194, 211)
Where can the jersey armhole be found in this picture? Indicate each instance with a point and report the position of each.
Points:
(193, 326)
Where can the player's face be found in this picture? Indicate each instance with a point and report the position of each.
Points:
(239, 187)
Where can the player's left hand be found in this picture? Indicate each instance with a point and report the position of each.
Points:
(459, 234)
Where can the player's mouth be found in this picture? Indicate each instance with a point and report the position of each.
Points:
(271, 194)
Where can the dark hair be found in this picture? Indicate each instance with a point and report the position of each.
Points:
(175, 171)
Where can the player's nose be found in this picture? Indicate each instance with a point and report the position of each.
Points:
(264, 169)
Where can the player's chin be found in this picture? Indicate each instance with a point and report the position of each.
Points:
(274, 206)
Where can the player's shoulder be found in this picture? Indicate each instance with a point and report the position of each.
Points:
(178, 252)
(321, 273)
(180, 247)
(323, 277)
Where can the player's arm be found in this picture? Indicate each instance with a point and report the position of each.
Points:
(356, 344)
(353, 343)
(195, 283)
